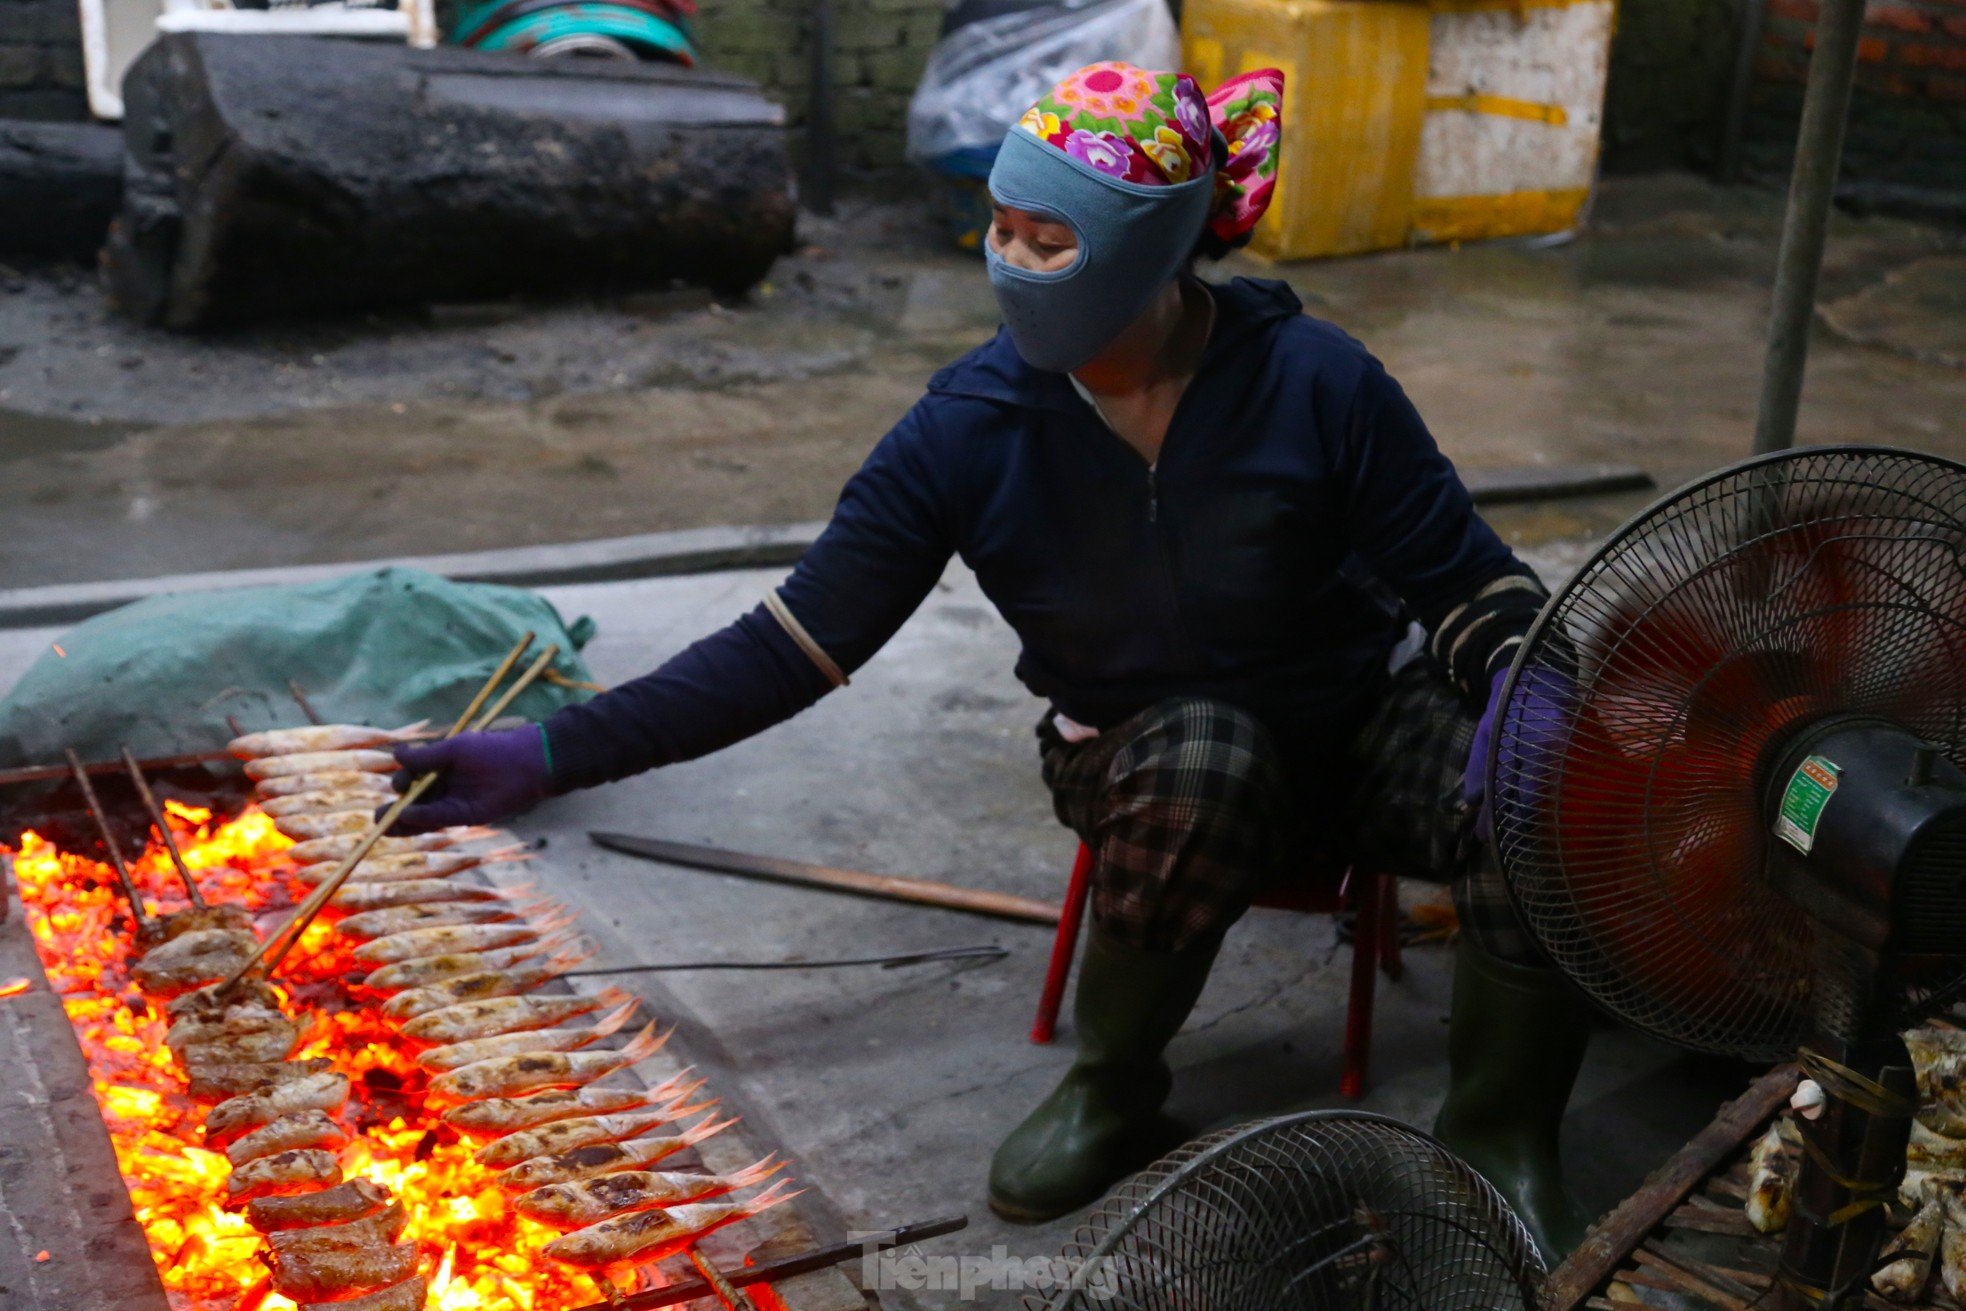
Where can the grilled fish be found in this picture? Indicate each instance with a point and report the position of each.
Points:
(444, 993)
(247, 1017)
(509, 1075)
(338, 780)
(1927, 1149)
(211, 1002)
(321, 762)
(448, 938)
(315, 850)
(329, 1273)
(406, 1296)
(643, 1236)
(500, 1115)
(413, 865)
(565, 1135)
(350, 822)
(329, 802)
(284, 1134)
(425, 971)
(301, 1170)
(344, 1202)
(200, 957)
(395, 919)
(359, 895)
(320, 737)
(194, 919)
(452, 1055)
(1952, 1250)
(248, 1046)
(217, 1082)
(588, 1201)
(578, 1163)
(1909, 1257)
(1769, 1175)
(379, 1228)
(314, 1092)
(495, 1015)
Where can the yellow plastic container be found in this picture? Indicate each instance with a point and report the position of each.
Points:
(1355, 100)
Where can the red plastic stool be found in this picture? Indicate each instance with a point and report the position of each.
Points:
(1373, 898)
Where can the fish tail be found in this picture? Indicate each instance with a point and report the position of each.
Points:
(410, 732)
(674, 1112)
(667, 1096)
(505, 855)
(560, 917)
(564, 952)
(609, 1023)
(771, 1197)
(642, 1046)
(612, 996)
(468, 833)
(757, 1172)
(705, 1127)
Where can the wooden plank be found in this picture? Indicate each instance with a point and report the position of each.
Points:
(1618, 1234)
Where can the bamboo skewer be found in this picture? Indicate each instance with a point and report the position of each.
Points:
(109, 842)
(157, 817)
(268, 957)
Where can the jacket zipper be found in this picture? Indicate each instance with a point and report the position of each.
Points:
(1153, 494)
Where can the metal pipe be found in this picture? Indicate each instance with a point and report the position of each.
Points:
(1805, 226)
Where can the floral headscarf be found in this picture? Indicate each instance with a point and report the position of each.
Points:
(1157, 128)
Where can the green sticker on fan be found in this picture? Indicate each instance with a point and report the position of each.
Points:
(1809, 790)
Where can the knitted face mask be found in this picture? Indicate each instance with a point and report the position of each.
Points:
(1136, 164)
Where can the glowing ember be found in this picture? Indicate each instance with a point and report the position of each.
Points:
(478, 1253)
(13, 987)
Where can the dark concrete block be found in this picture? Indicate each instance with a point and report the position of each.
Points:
(271, 176)
(60, 184)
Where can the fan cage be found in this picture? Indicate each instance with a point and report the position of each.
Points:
(1644, 710)
(1318, 1211)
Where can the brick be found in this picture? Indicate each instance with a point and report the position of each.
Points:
(1951, 89)
(1898, 18)
(34, 22)
(897, 69)
(1799, 11)
(64, 68)
(863, 29)
(1927, 54)
(44, 105)
(923, 28)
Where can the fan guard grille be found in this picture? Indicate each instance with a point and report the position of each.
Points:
(1320, 1211)
(1630, 761)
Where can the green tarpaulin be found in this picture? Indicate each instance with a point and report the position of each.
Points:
(385, 647)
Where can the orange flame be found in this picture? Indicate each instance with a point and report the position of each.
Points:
(479, 1254)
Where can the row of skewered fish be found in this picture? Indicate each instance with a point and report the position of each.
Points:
(457, 966)
(1931, 1200)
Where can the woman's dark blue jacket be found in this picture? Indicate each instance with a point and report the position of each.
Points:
(1296, 488)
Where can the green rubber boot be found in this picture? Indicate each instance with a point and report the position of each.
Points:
(1103, 1121)
(1515, 1040)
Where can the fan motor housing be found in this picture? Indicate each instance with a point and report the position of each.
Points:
(1869, 830)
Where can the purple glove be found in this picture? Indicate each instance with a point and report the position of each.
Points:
(1537, 716)
(482, 778)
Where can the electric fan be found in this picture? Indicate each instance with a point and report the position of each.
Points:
(1319, 1211)
(1728, 799)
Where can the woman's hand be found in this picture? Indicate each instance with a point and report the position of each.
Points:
(482, 778)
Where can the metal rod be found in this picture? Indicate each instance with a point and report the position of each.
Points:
(1747, 45)
(109, 841)
(728, 1295)
(158, 818)
(50, 773)
(785, 1268)
(885, 887)
(1812, 188)
(987, 953)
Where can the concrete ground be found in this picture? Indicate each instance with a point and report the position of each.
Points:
(130, 452)
(891, 1088)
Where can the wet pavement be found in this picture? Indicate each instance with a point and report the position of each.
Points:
(127, 452)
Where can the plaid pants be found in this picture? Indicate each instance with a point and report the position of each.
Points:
(1191, 812)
